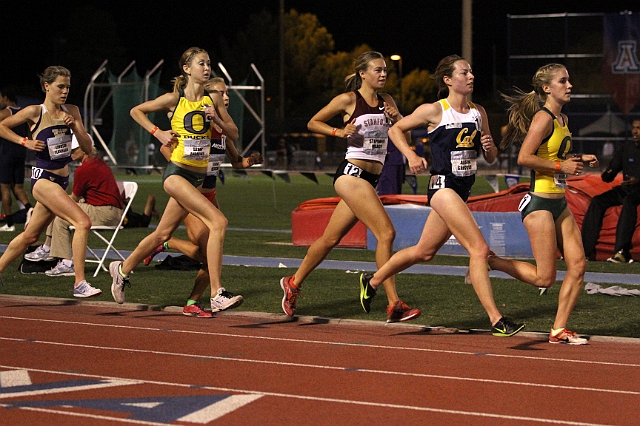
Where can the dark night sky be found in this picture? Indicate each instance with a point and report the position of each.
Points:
(422, 31)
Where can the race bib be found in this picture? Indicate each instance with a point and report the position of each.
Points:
(560, 179)
(196, 149)
(59, 146)
(352, 170)
(36, 172)
(375, 143)
(215, 160)
(437, 182)
(463, 163)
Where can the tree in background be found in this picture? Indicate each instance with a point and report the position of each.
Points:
(418, 87)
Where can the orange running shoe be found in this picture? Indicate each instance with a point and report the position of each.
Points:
(290, 295)
(401, 312)
(567, 337)
(195, 311)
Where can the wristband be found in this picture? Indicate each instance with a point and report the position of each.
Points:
(154, 130)
(557, 166)
(24, 141)
(333, 131)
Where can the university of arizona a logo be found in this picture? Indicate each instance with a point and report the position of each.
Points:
(626, 61)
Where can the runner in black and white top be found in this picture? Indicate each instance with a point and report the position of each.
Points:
(367, 115)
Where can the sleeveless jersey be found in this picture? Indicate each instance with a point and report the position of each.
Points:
(369, 142)
(194, 131)
(555, 148)
(455, 144)
(57, 138)
(10, 149)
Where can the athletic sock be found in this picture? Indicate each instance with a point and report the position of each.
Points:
(166, 245)
(120, 272)
(191, 302)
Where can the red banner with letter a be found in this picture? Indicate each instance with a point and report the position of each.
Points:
(621, 61)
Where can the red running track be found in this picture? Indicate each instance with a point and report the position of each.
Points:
(66, 362)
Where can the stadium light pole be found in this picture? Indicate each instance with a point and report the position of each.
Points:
(399, 59)
(281, 115)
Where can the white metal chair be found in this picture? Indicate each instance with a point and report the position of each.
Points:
(129, 190)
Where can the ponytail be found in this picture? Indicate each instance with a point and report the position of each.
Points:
(523, 106)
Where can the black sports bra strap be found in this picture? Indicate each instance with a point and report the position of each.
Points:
(553, 117)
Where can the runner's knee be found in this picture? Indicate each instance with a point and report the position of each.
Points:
(387, 235)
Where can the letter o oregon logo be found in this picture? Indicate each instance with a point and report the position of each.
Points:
(195, 123)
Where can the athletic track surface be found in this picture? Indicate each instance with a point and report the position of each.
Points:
(70, 362)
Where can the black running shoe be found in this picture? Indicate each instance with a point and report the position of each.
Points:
(366, 292)
(506, 328)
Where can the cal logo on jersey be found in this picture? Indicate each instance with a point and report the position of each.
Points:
(464, 140)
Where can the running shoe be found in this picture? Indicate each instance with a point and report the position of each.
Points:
(367, 292)
(567, 337)
(84, 289)
(506, 328)
(620, 257)
(195, 311)
(225, 300)
(401, 312)
(148, 259)
(61, 270)
(7, 228)
(38, 254)
(119, 282)
(290, 295)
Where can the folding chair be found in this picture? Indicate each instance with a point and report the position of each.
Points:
(129, 190)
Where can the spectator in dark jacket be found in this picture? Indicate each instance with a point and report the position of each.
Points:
(626, 160)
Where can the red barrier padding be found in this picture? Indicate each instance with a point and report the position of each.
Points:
(308, 225)
(310, 218)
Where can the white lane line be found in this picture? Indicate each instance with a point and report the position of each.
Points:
(329, 343)
(372, 404)
(323, 367)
